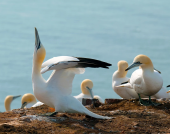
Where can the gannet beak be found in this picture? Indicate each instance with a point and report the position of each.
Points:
(37, 40)
(14, 97)
(135, 64)
(23, 105)
(92, 96)
(91, 93)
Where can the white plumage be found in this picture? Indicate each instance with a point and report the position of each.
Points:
(119, 77)
(56, 91)
(86, 93)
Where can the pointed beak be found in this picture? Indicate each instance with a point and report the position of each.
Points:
(23, 105)
(92, 96)
(168, 86)
(135, 64)
(91, 93)
(14, 97)
(37, 40)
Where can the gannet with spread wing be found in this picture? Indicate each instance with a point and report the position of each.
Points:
(56, 91)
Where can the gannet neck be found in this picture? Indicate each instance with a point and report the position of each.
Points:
(148, 66)
(7, 102)
(86, 83)
(38, 59)
(122, 65)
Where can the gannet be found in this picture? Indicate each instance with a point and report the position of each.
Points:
(56, 91)
(146, 81)
(119, 77)
(162, 93)
(28, 100)
(8, 100)
(169, 90)
(86, 88)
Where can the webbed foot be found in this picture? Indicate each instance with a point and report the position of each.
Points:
(49, 114)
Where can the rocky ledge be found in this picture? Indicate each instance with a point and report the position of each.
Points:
(129, 117)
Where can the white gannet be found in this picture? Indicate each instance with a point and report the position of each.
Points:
(86, 88)
(146, 81)
(118, 78)
(56, 91)
(8, 100)
(28, 100)
(161, 94)
(169, 90)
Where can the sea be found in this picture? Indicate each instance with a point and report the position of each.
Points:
(107, 30)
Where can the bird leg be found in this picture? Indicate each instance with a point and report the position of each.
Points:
(143, 102)
(152, 103)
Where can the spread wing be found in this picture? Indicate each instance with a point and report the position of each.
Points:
(65, 68)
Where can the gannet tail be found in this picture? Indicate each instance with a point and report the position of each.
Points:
(74, 106)
(87, 112)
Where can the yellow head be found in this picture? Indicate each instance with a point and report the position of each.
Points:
(143, 61)
(39, 53)
(27, 98)
(86, 83)
(122, 65)
(8, 101)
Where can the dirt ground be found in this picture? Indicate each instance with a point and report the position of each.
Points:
(129, 117)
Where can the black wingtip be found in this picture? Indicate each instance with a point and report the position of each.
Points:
(124, 82)
(98, 63)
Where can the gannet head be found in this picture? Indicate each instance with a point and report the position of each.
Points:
(39, 49)
(86, 87)
(8, 101)
(122, 65)
(27, 98)
(143, 61)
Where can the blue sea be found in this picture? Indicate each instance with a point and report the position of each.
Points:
(107, 30)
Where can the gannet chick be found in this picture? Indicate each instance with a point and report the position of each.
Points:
(56, 91)
(147, 81)
(86, 88)
(118, 78)
(28, 100)
(8, 100)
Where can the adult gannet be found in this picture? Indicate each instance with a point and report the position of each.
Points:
(56, 91)
(28, 100)
(169, 90)
(146, 81)
(162, 93)
(119, 77)
(8, 100)
(86, 88)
